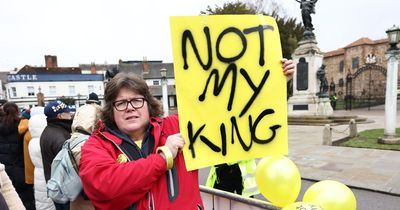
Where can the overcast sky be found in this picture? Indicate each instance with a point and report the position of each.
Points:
(85, 31)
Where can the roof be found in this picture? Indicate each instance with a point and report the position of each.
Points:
(339, 51)
(153, 69)
(45, 70)
(380, 41)
(98, 66)
(3, 76)
(358, 42)
(141, 61)
(361, 41)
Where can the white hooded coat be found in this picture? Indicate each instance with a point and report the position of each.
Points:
(37, 123)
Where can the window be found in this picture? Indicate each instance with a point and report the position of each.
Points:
(52, 90)
(172, 100)
(90, 88)
(31, 91)
(341, 66)
(341, 82)
(14, 91)
(156, 82)
(354, 63)
(71, 89)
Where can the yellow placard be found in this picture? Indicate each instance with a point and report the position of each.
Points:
(230, 87)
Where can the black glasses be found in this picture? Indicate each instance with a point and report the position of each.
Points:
(122, 105)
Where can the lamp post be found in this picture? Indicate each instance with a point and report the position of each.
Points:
(392, 55)
(369, 89)
(77, 104)
(164, 84)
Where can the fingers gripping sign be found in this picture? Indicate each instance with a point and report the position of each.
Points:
(174, 143)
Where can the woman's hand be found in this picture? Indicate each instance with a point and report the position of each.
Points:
(288, 68)
(174, 143)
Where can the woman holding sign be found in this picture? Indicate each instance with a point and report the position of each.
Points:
(133, 161)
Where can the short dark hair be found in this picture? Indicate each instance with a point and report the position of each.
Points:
(132, 82)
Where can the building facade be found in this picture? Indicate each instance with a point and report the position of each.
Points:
(23, 89)
(358, 70)
(29, 85)
(148, 70)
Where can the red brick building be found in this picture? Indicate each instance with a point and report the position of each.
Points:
(364, 60)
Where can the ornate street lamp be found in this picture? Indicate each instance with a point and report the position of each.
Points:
(394, 37)
(163, 72)
(392, 55)
(164, 84)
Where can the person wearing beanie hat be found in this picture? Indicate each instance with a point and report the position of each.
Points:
(93, 99)
(57, 131)
(26, 114)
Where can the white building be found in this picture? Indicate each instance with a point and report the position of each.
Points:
(22, 89)
(52, 82)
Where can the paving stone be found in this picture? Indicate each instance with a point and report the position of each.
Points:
(365, 168)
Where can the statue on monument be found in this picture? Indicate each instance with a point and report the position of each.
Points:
(307, 8)
(323, 86)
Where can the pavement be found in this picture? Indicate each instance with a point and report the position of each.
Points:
(372, 169)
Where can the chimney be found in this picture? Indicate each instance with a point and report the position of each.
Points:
(51, 61)
(93, 68)
(145, 65)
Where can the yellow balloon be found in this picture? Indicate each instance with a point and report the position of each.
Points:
(278, 180)
(331, 195)
(302, 206)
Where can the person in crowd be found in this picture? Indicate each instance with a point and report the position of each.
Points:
(2, 102)
(85, 122)
(57, 131)
(93, 99)
(11, 153)
(133, 161)
(37, 123)
(239, 177)
(23, 130)
(333, 101)
(9, 199)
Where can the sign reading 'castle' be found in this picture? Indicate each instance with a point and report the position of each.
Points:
(22, 77)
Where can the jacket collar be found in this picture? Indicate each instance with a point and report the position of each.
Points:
(66, 124)
(151, 138)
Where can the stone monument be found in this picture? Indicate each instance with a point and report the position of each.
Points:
(308, 60)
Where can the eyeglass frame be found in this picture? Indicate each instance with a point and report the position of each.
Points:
(129, 102)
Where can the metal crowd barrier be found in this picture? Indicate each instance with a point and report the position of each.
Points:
(214, 199)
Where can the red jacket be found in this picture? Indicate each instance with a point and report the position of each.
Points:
(143, 182)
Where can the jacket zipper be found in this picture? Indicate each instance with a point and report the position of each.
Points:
(149, 194)
(170, 178)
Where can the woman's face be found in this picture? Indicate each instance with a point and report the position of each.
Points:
(131, 121)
